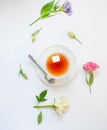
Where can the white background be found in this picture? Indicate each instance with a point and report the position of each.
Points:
(17, 96)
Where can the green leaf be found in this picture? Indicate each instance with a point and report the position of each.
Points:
(37, 98)
(87, 81)
(35, 34)
(47, 9)
(37, 31)
(39, 118)
(22, 73)
(41, 97)
(91, 79)
(43, 94)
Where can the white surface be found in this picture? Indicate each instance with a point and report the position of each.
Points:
(17, 96)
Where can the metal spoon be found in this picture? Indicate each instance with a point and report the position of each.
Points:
(46, 76)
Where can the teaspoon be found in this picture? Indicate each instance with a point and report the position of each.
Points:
(46, 76)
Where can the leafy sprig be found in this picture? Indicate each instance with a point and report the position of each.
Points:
(51, 9)
(35, 34)
(45, 11)
(22, 73)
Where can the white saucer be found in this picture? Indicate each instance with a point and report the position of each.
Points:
(68, 76)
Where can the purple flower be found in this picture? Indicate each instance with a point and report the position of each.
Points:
(67, 7)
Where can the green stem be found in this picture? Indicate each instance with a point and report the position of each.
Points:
(78, 40)
(90, 89)
(46, 106)
(35, 21)
(56, 11)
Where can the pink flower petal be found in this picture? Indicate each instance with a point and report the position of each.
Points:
(90, 66)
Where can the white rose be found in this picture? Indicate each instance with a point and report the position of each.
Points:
(61, 105)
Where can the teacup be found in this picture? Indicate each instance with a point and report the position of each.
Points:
(59, 63)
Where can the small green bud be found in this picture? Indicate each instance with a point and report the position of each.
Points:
(71, 35)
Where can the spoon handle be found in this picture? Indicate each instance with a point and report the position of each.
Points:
(34, 61)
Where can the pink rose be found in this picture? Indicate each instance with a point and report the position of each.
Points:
(90, 66)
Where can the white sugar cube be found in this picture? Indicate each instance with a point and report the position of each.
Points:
(56, 58)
